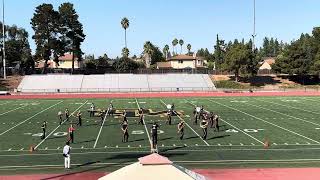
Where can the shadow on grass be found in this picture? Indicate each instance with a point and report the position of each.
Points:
(137, 140)
(124, 160)
(193, 137)
(218, 137)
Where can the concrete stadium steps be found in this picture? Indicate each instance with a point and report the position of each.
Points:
(116, 83)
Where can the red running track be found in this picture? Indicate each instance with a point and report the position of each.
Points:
(214, 174)
(158, 94)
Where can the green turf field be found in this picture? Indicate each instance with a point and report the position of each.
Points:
(291, 124)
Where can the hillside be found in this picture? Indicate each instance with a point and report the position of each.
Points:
(10, 83)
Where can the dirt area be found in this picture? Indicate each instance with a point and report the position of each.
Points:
(264, 82)
(10, 83)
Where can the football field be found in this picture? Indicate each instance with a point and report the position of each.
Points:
(291, 125)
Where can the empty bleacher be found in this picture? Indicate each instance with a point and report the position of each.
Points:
(116, 83)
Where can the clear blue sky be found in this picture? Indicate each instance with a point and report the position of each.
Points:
(195, 21)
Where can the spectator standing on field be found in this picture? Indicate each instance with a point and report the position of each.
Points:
(66, 155)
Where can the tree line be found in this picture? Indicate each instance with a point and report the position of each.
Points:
(18, 52)
(59, 31)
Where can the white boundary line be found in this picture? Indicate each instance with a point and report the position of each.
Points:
(145, 151)
(30, 118)
(309, 99)
(235, 127)
(104, 120)
(12, 110)
(292, 107)
(59, 125)
(282, 113)
(145, 126)
(187, 125)
(5, 103)
(181, 162)
(266, 122)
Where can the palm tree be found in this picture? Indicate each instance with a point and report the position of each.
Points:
(148, 50)
(181, 42)
(166, 50)
(174, 43)
(125, 52)
(189, 48)
(125, 25)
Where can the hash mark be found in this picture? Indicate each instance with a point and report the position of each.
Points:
(252, 144)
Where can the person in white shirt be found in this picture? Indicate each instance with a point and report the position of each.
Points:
(66, 155)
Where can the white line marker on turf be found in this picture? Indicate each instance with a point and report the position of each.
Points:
(10, 149)
(283, 114)
(140, 146)
(21, 149)
(58, 147)
(117, 146)
(267, 122)
(29, 118)
(292, 107)
(275, 144)
(252, 144)
(219, 144)
(46, 148)
(145, 126)
(105, 146)
(104, 120)
(237, 128)
(241, 144)
(82, 147)
(58, 127)
(187, 125)
(12, 110)
(285, 143)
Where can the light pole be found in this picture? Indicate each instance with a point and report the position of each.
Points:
(254, 25)
(3, 45)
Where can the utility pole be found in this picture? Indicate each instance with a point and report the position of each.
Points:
(3, 44)
(254, 25)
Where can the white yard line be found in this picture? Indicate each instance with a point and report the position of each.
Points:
(30, 118)
(236, 128)
(98, 136)
(308, 99)
(282, 113)
(60, 166)
(13, 110)
(59, 126)
(5, 103)
(145, 126)
(266, 122)
(188, 125)
(289, 106)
